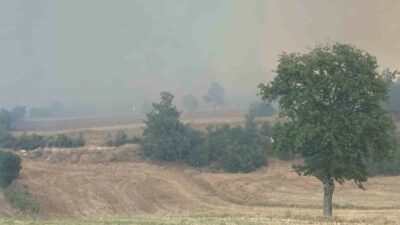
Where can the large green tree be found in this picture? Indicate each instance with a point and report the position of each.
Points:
(331, 100)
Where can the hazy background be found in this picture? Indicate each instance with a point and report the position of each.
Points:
(115, 54)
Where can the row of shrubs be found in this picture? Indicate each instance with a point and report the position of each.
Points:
(34, 141)
(234, 149)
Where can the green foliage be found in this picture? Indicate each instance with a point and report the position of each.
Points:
(190, 102)
(215, 95)
(29, 142)
(34, 141)
(10, 165)
(236, 149)
(217, 139)
(20, 198)
(165, 137)
(331, 98)
(121, 138)
(7, 140)
(64, 141)
(260, 109)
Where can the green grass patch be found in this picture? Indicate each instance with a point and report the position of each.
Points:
(19, 197)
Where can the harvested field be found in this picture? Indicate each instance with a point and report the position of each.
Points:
(116, 120)
(114, 189)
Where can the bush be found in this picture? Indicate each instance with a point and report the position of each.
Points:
(236, 149)
(7, 140)
(25, 141)
(165, 137)
(121, 138)
(64, 141)
(19, 197)
(29, 142)
(260, 109)
(197, 153)
(135, 140)
(198, 156)
(245, 152)
(10, 165)
(218, 138)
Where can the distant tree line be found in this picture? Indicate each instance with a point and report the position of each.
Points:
(9, 117)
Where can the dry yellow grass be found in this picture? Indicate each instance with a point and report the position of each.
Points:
(174, 193)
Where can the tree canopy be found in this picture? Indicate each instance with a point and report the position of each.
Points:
(165, 137)
(331, 99)
(215, 95)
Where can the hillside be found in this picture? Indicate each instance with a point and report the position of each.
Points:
(92, 183)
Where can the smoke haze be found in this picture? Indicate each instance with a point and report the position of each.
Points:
(107, 53)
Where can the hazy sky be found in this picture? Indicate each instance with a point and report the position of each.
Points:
(108, 52)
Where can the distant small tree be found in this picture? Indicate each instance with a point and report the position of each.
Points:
(10, 165)
(190, 102)
(331, 101)
(17, 113)
(215, 95)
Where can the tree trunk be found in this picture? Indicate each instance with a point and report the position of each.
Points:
(329, 187)
(215, 104)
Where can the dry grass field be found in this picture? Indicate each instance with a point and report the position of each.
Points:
(98, 185)
(92, 187)
(96, 131)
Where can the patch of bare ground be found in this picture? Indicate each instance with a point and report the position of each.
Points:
(104, 183)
